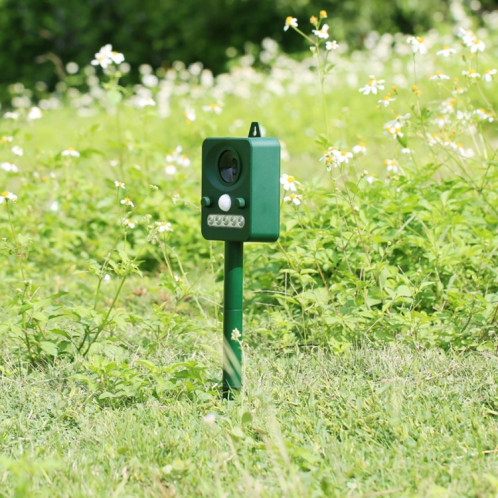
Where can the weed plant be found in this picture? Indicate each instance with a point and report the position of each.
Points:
(370, 326)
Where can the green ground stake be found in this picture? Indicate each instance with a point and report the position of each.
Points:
(232, 318)
(240, 203)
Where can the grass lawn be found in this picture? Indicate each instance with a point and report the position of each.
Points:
(369, 326)
(376, 421)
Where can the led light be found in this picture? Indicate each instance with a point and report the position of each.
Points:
(226, 221)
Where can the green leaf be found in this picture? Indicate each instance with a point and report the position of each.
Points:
(49, 347)
(403, 291)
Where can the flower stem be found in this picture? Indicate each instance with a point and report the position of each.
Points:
(17, 245)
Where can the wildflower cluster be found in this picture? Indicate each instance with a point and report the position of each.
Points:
(107, 56)
(290, 185)
(176, 158)
(320, 31)
(471, 41)
(334, 157)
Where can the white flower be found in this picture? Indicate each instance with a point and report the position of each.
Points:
(7, 196)
(144, 101)
(295, 199)
(70, 152)
(447, 105)
(17, 150)
(118, 184)
(9, 167)
(386, 100)
(163, 226)
(127, 202)
(368, 178)
(343, 156)
(190, 115)
(471, 73)
(107, 277)
(11, 115)
(477, 46)
(128, 223)
(215, 108)
(418, 44)
(482, 114)
(288, 182)
(464, 117)
(438, 75)
(391, 165)
(117, 57)
(373, 86)
(406, 150)
(6, 139)
(360, 148)
(54, 206)
(150, 80)
(467, 36)
(441, 121)
(290, 21)
(103, 57)
(72, 67)
(466, 153)
(209, 419)
(170, 169)
(322, 33)
(34, 113)
(331, 45)
(176, 156)
(488, 74)
(446, 51)
(333, 157)
(393, 128)
(183, 161)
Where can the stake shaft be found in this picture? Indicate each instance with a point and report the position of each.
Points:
(232, 318)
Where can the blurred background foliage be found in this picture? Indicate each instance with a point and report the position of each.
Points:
(38, 37)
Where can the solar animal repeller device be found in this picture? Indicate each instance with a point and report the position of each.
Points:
(240, 203)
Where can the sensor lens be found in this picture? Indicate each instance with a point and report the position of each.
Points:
(228, 166)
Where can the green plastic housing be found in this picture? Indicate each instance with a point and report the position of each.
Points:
(251, 207)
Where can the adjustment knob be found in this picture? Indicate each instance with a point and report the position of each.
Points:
(206, 201)
(240, 202)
